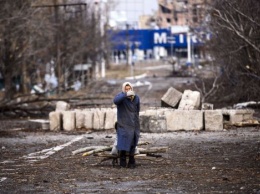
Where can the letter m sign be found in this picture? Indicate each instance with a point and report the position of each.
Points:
(160, 38)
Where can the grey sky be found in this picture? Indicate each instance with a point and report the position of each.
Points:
(135, 8)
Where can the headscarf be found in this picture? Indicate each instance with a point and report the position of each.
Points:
(126, 83)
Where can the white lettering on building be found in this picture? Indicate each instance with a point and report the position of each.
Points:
(160, 38)
(194, 39)
(181, 38)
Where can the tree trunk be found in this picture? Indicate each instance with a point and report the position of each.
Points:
(24, 79)
(9, 87)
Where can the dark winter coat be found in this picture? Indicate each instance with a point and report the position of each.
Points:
(128, 127)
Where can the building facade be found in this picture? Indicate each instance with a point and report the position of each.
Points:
(190, 13)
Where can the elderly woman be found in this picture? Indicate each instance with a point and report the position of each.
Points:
(128, 127)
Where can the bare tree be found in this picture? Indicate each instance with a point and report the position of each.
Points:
(34, 33)
(68, 33)
(235, 47)
(207, 87)
(14, 41)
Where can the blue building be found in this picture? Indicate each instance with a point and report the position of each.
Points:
(140, 44)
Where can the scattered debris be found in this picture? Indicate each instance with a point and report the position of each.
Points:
(248, 123)
(247, 105)
(101, 151)
(206, 106)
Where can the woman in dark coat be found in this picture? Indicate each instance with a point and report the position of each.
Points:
(128, 127)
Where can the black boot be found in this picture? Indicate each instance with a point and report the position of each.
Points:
(122, 155)
(131, 162)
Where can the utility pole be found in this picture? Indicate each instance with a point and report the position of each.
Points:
(100, 13)
(57, 42)
(189, 47)
(171, 40)
(127, 44)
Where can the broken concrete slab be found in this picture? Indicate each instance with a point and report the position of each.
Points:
(190, 100)
(171, 98)
(249, 123)
(232, 116)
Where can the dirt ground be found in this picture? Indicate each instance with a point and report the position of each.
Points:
(37, 161)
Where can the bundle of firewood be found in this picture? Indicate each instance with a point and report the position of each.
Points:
(104, 152)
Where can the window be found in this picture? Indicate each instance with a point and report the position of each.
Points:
(165, 9)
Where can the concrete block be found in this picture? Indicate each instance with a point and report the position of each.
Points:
(232, 116)
(88, 120)
(110, 119)
(55, 121)
(42, 123)
(98, 119)
(62, 106)
(235, 118)
(156, 111)
(80, 119)
(150, 112)
(213, 120)
(248, 116)
(68, 119)
(190, 100)
(237, 111)
(157, 124)
(153, 124)
(171, 97)
(184, 120)
(144, 122)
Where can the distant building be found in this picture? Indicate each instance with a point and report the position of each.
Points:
(147, 22)
(181, 13)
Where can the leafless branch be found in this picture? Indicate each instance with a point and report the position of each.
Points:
(242, 14)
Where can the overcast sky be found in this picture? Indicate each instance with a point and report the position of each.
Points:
(135, 8)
